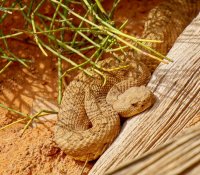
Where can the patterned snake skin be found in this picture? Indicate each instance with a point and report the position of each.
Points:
(88, 123)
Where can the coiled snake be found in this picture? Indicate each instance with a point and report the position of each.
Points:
(89, 113)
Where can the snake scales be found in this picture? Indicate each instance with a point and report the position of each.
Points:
(88, 123)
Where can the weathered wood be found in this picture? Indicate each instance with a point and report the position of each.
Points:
(176, 87)
(180, 155)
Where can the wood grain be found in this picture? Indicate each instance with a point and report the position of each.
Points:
(177, 88)
(180, 155)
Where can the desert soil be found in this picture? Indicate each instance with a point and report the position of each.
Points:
(34, 151)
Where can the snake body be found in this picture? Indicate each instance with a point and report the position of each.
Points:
(88, 123)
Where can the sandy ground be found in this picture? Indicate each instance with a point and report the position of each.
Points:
(34, 152)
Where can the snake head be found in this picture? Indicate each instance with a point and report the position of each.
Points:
(133, 101)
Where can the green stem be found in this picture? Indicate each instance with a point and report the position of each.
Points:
(59, 80)
(13, 110)
(34, 28)
(5, 67)
(11, 35)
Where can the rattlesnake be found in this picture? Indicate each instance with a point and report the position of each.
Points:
(87, 122)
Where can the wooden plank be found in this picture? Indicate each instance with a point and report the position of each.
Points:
(180, 155)
(177, 88)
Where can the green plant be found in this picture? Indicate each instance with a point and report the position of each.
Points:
(93, 34)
